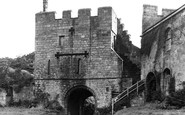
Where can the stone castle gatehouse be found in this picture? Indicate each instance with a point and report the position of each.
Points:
(75, 57)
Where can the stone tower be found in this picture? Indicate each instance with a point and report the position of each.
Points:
(150, 15)
(75, 59)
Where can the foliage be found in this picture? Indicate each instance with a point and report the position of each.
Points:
(122, 44)
(19, 80)
(55, 105)
(89, 105)
(157, 96)
(129, 53)
(3, 81)
(176, 99)
(25, 62)
(12, 74)
(42, 97)
(23, 103)
(105, 111)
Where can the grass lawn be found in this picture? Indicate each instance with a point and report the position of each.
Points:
(150, 109)
(25, 111)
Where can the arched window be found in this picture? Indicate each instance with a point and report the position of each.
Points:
(168, 37)
(168, 82)
(166, 78)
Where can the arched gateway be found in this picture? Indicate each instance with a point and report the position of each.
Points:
(80, 100)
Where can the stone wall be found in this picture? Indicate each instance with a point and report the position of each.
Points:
(155, 58)
(150, 15)
(100, 71)
(3, 100)
(26, 93)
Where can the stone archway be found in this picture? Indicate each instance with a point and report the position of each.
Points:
(77, 101)
(168, 82)
(150, 86)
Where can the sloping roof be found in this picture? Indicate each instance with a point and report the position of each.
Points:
(164, 19)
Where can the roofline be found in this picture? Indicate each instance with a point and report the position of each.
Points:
(163, 20)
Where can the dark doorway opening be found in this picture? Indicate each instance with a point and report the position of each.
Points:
(150, 87)
(168, 82)
(80, 101)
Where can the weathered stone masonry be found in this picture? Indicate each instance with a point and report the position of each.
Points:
(162, 48)
(100, 72)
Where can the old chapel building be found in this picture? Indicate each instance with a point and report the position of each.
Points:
(163, 50)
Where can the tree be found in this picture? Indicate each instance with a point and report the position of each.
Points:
(16, 72)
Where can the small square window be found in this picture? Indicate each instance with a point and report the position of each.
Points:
(60, 41)
(107, 89)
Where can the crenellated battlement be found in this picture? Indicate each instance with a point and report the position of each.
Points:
(66, 14)
(153, 10)
(150, 15)
(82, 13)
(150, 10)
(104, 11)
(165, 11)
(45, 17)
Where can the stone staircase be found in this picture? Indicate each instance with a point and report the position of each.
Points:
(123, 99)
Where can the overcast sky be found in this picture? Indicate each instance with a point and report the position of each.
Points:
(17, 21)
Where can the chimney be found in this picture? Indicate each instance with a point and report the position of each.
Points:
(45, 5)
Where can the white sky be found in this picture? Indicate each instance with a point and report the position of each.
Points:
(17, 21)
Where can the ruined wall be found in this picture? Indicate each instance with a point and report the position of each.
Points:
(25, 94)
(131, 56)
(150, 16)
(3, 100)
(166, 11)
(154, 56)
(99, 71)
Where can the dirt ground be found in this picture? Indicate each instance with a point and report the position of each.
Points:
(25, 111)
(150, 109)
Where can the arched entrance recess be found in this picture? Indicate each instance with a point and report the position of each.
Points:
(80, 100)
(150, 86)
(168, 82)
